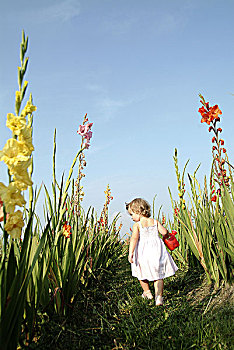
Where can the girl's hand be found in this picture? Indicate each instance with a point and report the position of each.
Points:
(133, 241)
(167, 235)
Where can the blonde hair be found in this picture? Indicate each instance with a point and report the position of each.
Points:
(139, 206)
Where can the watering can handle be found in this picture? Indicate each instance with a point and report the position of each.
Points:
(173, 232)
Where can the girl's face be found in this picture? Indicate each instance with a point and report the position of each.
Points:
(135, 217)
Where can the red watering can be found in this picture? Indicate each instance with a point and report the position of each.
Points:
(171, 242)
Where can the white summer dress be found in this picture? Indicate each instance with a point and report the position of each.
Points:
(151, 260)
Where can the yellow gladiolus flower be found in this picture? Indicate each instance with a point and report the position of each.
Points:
(17, 96)
(25, 135)
(11, 153)
(20, 166)
(28, 109)
(26, 148)
(22, 180)
(22, 186)
(25, 141)
(11, 197)
(14, 224)
(20, 174)
(15, 124)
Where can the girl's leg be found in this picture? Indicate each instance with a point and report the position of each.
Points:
(145, 286)
(158, 285)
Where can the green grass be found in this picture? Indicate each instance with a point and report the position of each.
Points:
(110, 314)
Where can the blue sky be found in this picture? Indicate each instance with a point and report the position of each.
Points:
(136, 67)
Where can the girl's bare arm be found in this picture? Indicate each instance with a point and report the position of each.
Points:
(163, 230)
(133, 242)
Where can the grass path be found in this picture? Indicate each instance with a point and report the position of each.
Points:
(110, 314)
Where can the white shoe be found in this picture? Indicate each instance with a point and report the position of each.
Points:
(158, 300)
(147, 295)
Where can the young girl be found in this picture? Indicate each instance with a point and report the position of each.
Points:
(149, 258)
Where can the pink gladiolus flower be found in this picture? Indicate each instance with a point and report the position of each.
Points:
(88, 135)
(89, 125)
(82, 130)
(85, 132)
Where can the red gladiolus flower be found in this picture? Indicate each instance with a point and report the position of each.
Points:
(66, 231)
(215, 112)
(213, 139)
(1, 210)
(209, 114)
(224, 150)
(202, 111)
(221, 141)
(205, 115)
(205, 119)
(214, 198)
(214, 147)
(210, 128)
(219, 129)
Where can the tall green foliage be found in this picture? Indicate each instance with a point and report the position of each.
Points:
(206, 228)
(42, 271)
